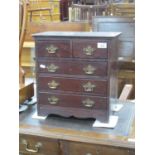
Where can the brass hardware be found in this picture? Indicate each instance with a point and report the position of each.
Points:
(53, 100)
(88, 50)
(37, 146)
(88, 103)
(89, 69)
(52, 68)
(53, 84)
(52, 49)
(88, 87)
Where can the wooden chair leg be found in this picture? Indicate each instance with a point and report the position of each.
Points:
(50, 11)
(125, 92)
(21, 76)
(30, 16)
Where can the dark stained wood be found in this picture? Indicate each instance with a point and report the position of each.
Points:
(62, 48)
(76, 101)
(73, 67)
(114, 150)
(73, 85)
(131, 152)
(80, 47)
(64, 7)
(74, 148)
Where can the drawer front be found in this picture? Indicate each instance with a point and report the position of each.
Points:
(90, 49)
(73, 101)
(38, 145)
(110, 150)
(54, 48)
(76, 148)
(73, 85)
(132, 152)
(73, 67)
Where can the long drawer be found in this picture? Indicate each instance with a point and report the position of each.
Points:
(54, 48)
(73, 101)
(51, 84)
(73, 67)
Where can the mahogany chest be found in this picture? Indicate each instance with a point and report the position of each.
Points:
(76, 73)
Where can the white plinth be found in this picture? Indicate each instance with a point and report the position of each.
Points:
(111, 124)
(35, 116)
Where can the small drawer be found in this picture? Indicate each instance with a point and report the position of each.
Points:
(53, 48)
(74, 101)
(47, 83)
(38, 145)
(90, 49)
(73, 67)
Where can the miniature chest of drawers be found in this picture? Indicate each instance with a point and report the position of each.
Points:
(76, 73)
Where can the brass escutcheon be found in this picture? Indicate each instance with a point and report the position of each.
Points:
(89, 87)
(53, 100)
(52, 68)
(88, 50)
(88, 103)
(37, 146)
(53, 84)
(52, 49)
(89, 69)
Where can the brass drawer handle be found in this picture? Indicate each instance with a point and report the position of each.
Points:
(88, 103)
(53, 100)
(52, 68)
(37, 146)
(88, 50)
(53, 84)
(89, 87)
(52, 49)
(89, 69)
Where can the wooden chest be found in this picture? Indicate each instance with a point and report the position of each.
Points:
(76, 73)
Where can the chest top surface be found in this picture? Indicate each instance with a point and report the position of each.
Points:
(77, 34)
